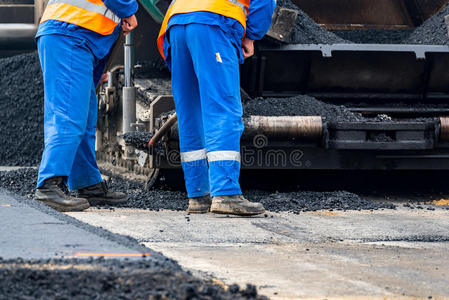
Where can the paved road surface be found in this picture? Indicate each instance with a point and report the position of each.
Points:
(30, 233)
(319, 255)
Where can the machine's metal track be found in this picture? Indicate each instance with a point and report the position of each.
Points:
(127, 169)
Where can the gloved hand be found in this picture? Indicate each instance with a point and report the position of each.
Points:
(247, 47)
(129, 24)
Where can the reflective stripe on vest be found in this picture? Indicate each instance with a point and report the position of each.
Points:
(89, 14)
(236, 9)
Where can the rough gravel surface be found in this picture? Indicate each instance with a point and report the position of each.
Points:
(21, 110)
(307, 31)
(108, 279)
(431, 32)
(304, 201)
(301, 105)
(23, 182)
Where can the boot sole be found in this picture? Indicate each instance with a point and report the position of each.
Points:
(197, 211)
(105, 201)
(227, 210)
(62, 208)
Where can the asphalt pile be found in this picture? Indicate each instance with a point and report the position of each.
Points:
(108, 279)
(305, 201)
(21, 181)
(307, 31)
(21, 110)
(301, 105)
(431, 32)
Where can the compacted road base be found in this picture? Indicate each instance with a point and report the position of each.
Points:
(323, 254)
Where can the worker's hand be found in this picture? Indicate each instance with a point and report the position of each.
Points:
(104, 78)
(128, 24)
(247, 47)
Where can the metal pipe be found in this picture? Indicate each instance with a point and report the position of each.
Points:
(285, 126)
(129, 59)
(299, 127)
(129, 92)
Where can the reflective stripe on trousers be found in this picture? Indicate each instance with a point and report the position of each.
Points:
(89, 6)
(193, 155)
(223, 156)
(211, 156)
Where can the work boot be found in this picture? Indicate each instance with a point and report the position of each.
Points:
(235, 205)
(199, 205)
(99, 194)
(52, 194)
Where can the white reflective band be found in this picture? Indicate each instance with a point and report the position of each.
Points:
(84, 4)
(223, 155)
(193, 155)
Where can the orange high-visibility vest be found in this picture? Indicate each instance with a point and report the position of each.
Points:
(89, 14)
(236, 9)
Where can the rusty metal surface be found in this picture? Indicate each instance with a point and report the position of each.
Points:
(444, 131)
(297, 126)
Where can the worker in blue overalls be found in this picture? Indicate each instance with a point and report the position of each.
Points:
(74, 40)
(203, 42)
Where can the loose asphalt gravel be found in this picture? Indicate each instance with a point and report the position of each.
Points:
(431, 32)
(138, 139)
(22, 181)
(21, 110)
(301, 105)
(307, 31)
(108, 279)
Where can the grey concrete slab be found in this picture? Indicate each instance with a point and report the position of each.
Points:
(28, 232)
(380, 254)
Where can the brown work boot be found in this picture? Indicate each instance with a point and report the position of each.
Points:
(52, 194)
(99, 194)
(235, 205)
(199, 205)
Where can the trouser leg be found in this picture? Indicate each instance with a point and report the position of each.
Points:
(216, 66)
(188, 108)
(67, 65)
(85, 171)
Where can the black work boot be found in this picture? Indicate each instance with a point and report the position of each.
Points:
(199, 205)
(52, 194)
(235, 205)
(99, 194)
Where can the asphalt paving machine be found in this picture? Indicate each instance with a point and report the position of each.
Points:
(408, 83)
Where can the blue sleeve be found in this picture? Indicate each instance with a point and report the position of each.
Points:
(122, 8)
(259, 18)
